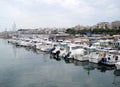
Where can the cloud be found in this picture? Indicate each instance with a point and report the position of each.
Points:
(57, 13)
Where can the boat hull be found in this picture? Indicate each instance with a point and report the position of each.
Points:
(94, 60)
(117, 65)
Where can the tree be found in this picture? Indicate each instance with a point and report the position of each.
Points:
(71, 31)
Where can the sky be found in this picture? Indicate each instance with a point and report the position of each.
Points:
(56, 13)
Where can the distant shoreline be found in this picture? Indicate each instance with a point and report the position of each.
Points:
(4, 36)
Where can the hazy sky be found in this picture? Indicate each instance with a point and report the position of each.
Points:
(56, 13)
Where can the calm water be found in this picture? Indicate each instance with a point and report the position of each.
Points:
(23, 67)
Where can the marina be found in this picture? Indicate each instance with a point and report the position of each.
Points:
(59, 43)
(104, 51)
(27, 67)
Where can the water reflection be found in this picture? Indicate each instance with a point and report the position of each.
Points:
(78, 63)
(116, 80)
(86, 65)
(117, 72)
(69, 60)
(54, 57)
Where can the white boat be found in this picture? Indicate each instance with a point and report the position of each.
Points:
(38, 46)
(46, 46)
(95, 46)
(33, 43)
(25, 42)
(63, 47)
(13, 40)
(18, 42)
(76, 52)
(110, 59)
(117, 65)
(57, 48)
(81, 43)
(95, 57)
(81, 57)
(62, 52)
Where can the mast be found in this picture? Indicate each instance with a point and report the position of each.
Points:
(14, 27)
